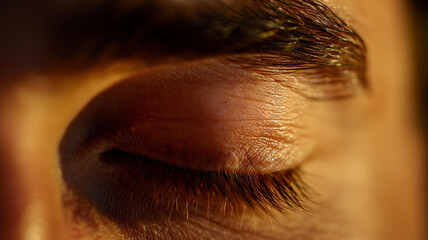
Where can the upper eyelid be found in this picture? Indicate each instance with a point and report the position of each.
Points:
(82, 146)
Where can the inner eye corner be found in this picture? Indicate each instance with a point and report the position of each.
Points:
(109, 154)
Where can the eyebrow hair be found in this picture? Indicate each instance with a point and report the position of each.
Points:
(292, 36)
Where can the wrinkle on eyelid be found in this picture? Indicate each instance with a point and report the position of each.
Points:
(242, 107)
(206, 115)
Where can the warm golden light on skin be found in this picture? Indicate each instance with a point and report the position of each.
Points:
(372, 193)
(206, 111)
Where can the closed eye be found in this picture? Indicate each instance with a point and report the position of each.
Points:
(196, 139)
(141, 189)
(216, 135)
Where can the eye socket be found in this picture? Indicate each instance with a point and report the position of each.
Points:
(181, 138)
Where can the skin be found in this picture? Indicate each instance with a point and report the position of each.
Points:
(367, 173)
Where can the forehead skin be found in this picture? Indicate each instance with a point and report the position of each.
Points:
(395, 196)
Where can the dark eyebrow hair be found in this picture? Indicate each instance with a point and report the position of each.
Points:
(297, 36)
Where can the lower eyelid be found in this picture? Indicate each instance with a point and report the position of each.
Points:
(133, 188)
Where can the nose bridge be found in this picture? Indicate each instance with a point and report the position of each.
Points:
(29, 206)
(11, 198)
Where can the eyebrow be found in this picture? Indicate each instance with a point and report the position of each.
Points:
(292, 36)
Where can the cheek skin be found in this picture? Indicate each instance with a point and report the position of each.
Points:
(206, 116)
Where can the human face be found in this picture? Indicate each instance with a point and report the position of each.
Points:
(326, 121)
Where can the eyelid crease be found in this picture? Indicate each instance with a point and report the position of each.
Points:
(320, 83)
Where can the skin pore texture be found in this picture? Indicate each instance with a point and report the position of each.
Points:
(358, 155)
(206, 116)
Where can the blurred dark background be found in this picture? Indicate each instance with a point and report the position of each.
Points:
(420, 19)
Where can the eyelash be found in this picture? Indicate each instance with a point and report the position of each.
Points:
(142, 189)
